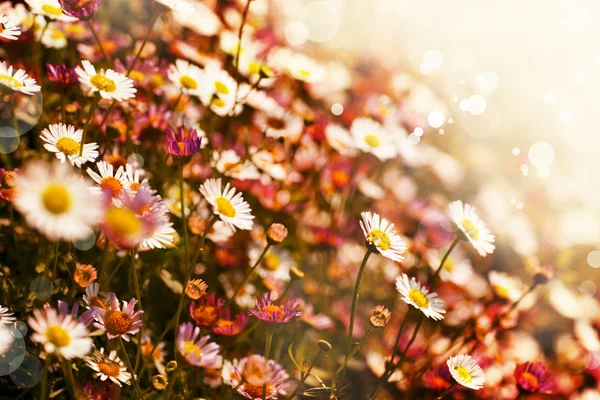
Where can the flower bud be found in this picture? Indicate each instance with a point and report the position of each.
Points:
(159, 382)
(276, 233)
(324, 345)
(9, 179)
(196, 289)
(171, 366)
(84, 275)
(380, 316)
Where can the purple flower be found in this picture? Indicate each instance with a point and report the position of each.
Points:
(119, 322)
(258, 372)
(80, 9)
(60, 73)
(532, 377)
(185, 143)
(267, 311)
(197, 352)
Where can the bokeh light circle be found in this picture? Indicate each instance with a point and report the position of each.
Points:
(41, 287)
(29, 373)
(337, 109)
(87, 242)
(477, 104)
(296, 33)
(19, 329)
(12, 358)
(9, 140)
(136, 160)
(321, 19)
(588, 288)
(488, 80)
(541, 154)
(436, 119)
(593, 259)
(435, 229)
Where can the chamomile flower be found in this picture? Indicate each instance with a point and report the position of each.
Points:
(50, 9)
(466, 372)
(185, 76)
(9, 29)
(109, 182)
(471, 227)
(218, 91)
(227, 204)
(18, 81)
(53, 37)
(339, 138)
(6, 317)
(379, 232)
(108, 366)
(60, 334)
(457, 267)
(133, 178)
(279, 123)
(197, 351)
(370, 137)
(419, 297)
(259, 372)
(231, 373)
(505, 286)
(57, 202)
(230, 164)
(109, 84)
(65, 142)
(298, 65)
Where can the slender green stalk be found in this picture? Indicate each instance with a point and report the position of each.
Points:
(103, 266)
(44, 385)
(239, 50)
(355, 299)
(267, 355)
(183, 218)
(437, 271)
(446, 392)
(55, 254)
(100, 46)
(139, 53)
(305, 375)
(349, 357)
(128, 362)
(87, 122)
(68, 371)
(138, 295)
(287, 288)
(248, 273)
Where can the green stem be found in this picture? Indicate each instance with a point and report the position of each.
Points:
(355, 300)
(103, 266)
(183, 218)
(55, 254)
(138, 295)
(91, 26)
(437, 271)
(305, 375)
(350, 355)
(44, 385)
(446, 392)
(248, 273)
(128, 362)
(68, 371)
(138, 54)
(267, 355)
(87, 122)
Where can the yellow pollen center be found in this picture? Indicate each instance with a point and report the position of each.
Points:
(218, 102)
(188, 82)
(501, 291)
(274, 312)
(135, 186)
(50, 9)
(449, 265)
(470, 228)
(531, 379)
(10, 81)
(117, 322)
(464, 374)
(191, 348)
(380, 239)
(224, 207)
(68, 146)
(112, 184)
(57, 35)
(123, 222)
(221, 88)
(143, 209)
(271, 262)
(372, 141)
(58, 336)
(255, 391)
(103, 83)
(137, 76)
(109, 368)
(56, 199)
(2, 27)
(304, 72)
(418, 298)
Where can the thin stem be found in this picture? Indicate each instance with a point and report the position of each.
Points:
(108, 60)
(267, 355)
(138, 295)
(412, 339)
(355, 299)
(437, 271)
(239, 50)
(352, 353)
(44, 385)
(68, 371)
(446, 392)
(139, 53)
(128, 362)
(305, 375)
(400, 330)
(248, 273)
(87, 122)
(183, 218)
(103, 266)
(55, 260)
(516, 303)
(287, 288)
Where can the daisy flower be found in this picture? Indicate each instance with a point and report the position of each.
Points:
(65, 141)
(56, 202)
(419, 297)
(380, 234)
(6, 317)
(6, 339)
(279, 123)
(197, 352)
(8, 28)
(256, 372)
(227, 204)
(84, 275)
(466, 372)
(53, 37)
(370, 137)
(186, 76)
(471, 227)
(109, 182)
(533, 378)
(119, 322)
(108, 366)
(93, 297)
(50, 9)
(276, 263)
(133, 178)
(506, 286)
(218, 90)
(270, 312)
(18, 81)
(109, 84)
(457, 267)
(340, 139)
(59, 334)
(298, 65)
(231, 373)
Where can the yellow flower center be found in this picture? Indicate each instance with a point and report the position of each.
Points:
(75, 29)
(217, 101)
(380, 239)
(271, 262)
(253, 68)
(103, 83)
(372, 141)
(188, 82)
(109, 368)
(57, 35)
(137, 76)
(274, 312)
(2, 27)
(190, 347)
(135, 186)
(157, 80)
(112, 184)
(117, 322)
(123, 222)
(464, 374)
(68, 146)
(255, 391)
(56, 199)
(221, 88)
(58, 336)
(449, 265)
(224, 207)
(501, 291)
(470, 228)
(10, 81)
(50, 9)
(304, 72)
(417, 297)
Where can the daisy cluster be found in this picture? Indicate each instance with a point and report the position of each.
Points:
(221, 216)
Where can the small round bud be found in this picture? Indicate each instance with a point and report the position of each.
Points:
(159, 382)
(171, 366)
(542, 274)
(84, 275)
(196, 289)
(324, 345)
(380, 316)
(9, 179)
(276, 233)
(296, 273)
